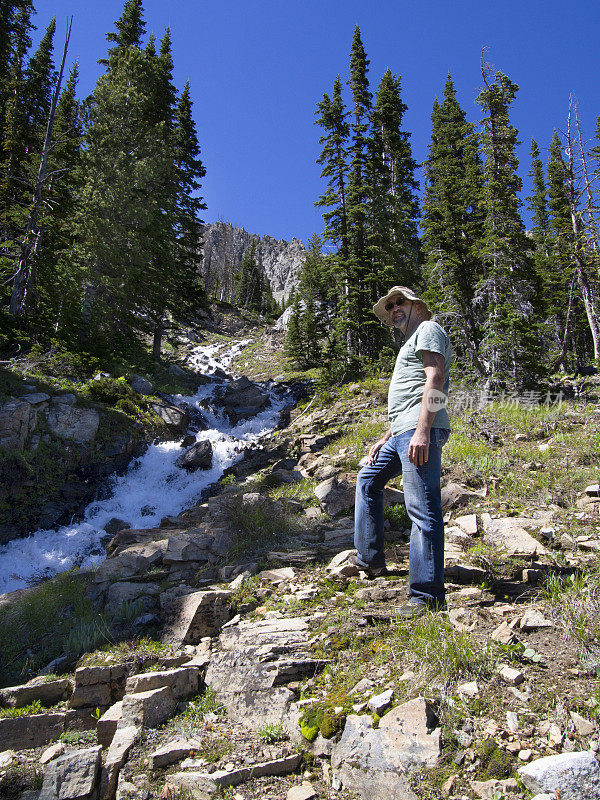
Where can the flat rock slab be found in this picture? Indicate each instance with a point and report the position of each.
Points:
(149, 709)
(48, 693)
(254, 662)
(108, 722)
(183, 681)
(373, 762)
(511, 534)
(73, 776)
(171, 753)
(196, 615)
(116, 757)
(573, 776)
(203, 784)
(34, 730)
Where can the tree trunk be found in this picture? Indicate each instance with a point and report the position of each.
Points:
(159, 327)
(24, 278)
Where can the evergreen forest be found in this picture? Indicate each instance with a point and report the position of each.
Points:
(519, 305)
(101, 204)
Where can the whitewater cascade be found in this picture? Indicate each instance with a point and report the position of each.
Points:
(153, 486)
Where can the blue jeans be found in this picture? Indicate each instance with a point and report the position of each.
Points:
(422, 496)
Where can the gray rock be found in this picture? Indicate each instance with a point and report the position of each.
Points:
(115, 525)
(173, 416)
(134, 560)
(576, 776)
(7, 757)
(183, 681)
(70, 422)
(171, 753)
(149, 709)
(212, 782)
(108, 723)
(379, 702)
(224, 244)
(453, 495)
(72, 776)
(64, 399)
(36, 398)
(183, 548)
(35, 730)
(140, 384)
(95, 694)
(17, 420)
(48, 693)
(303, 791)
(373, 762)
(116, 757)
(127, 592)
(193, 616)
(199, 456)
(335, 495)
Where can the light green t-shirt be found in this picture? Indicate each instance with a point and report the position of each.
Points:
(406, 387)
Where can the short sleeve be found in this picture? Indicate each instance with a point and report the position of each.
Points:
(432, 337)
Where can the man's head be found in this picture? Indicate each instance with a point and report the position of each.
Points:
(402, 309)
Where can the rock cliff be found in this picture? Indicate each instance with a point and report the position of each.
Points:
(224, 247)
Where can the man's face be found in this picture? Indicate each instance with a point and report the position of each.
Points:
(399, 309)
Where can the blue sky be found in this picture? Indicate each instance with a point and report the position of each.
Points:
(257, 69)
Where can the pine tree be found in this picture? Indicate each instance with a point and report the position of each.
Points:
(395, 207)
(453, 224)
(355, 314)
(126, 202)
(294, 348)
(509, 344)
(130, 30)
(333, 159)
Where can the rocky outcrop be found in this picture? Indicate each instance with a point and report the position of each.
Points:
(224, 246)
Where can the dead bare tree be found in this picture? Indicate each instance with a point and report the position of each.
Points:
(24, 277)
(578, 186)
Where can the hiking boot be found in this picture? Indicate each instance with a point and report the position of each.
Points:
(371, 572)
(414, 610)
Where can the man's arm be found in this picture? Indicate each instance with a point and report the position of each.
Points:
(377, 446)
(433, 364)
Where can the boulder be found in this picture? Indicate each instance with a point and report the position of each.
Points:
(108, 723)
(140, 384)
(572, 776)
(182, 681)
(171, 753)
(374, 762)
(71, 422)
(115, 525)
(453, 495)
(136, 559)
(510, 534)
(173, 416)
(118, 751)
(36, 398)
(34, 730)
(149, 709)
(73, 776)
(128, 592)
(47, 692)
(335, 495)
(17, 420)
(193, 616)
(199, 456)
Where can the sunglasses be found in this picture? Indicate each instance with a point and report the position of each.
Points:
(397, 302)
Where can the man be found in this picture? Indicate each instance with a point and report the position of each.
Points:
(419, 427)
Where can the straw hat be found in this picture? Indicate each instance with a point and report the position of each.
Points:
(395, 291)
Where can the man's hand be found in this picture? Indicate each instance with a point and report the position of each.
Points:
(377, 447)
(418, 449)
